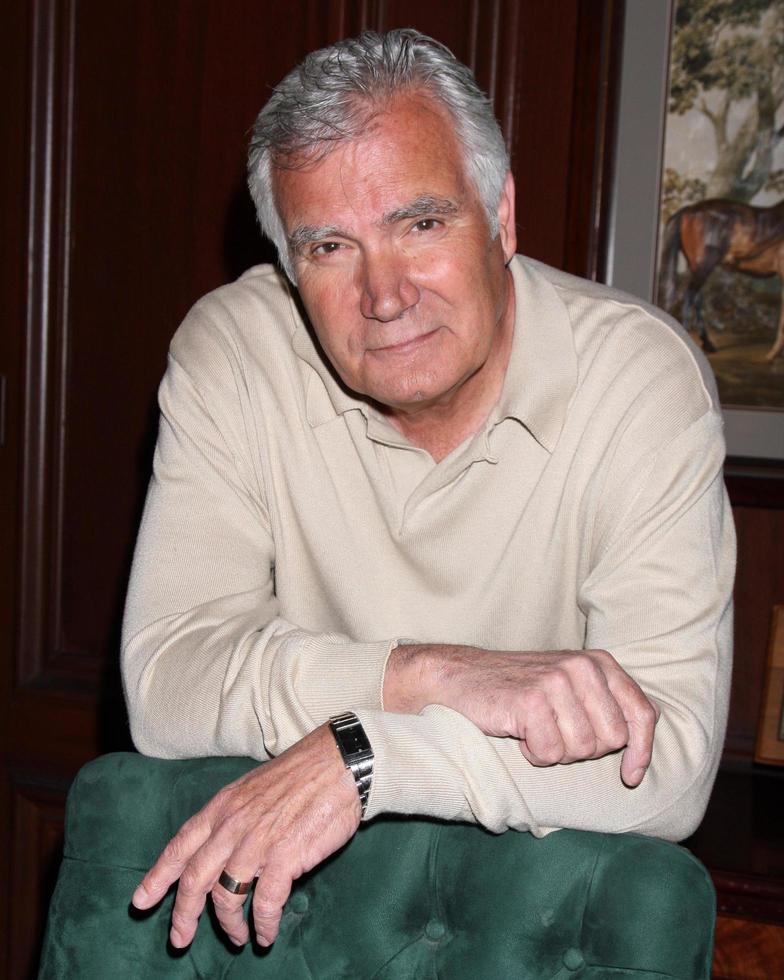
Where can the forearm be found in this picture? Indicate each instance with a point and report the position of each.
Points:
(219, 681)
(440, 765)
(416, 675)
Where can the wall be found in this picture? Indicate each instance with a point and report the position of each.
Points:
(122, 194)
(122, 191)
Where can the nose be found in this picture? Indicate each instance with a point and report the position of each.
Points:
(386, 288)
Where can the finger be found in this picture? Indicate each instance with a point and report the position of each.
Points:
(173, 859)
(637, 755)
(639, 717)
(574, 723)
(558, 729)
(243, 864)
(230, 908)
(200, 877)
(542, 743)
(608, 722)
(272, 892)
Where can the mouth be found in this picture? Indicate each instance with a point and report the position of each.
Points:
(405, 346)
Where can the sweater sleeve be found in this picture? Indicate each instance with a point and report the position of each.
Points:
(658, 597)
(209, 665)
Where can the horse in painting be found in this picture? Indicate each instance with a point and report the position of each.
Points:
(726, 233)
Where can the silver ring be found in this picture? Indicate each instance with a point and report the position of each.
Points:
(234, 886)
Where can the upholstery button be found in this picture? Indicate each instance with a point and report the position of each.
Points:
(435, 929)
(573, 959)
(299, 902)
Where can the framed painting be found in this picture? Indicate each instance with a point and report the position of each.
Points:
(770, 736)
(696, 213)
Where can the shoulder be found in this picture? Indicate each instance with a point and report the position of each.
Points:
(249, 322)
(630, 350)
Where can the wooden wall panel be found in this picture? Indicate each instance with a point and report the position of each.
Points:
(141, 213)
(13, 176)
(47, 231)
(122, 187)
(38, 828)
(122, 184)
(759, 586)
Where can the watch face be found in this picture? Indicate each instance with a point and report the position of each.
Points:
(350, 736)
(352, 741)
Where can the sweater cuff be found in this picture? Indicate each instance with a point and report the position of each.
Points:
(439, 764)
(354, 676)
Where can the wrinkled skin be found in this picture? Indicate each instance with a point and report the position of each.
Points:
(277, 821)
(562, 705)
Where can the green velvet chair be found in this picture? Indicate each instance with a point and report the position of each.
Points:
(404, 899)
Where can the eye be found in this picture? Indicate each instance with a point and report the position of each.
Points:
(325, 248)
(427, 224)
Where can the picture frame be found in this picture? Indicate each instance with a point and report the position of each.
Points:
(632, 230)
(770, 734)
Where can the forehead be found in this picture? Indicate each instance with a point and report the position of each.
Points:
(409, 151)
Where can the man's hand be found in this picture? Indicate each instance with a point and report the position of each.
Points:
(563, 706)
(276, 822)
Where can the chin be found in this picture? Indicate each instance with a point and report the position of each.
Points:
(411, 391)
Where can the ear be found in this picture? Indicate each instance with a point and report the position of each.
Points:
(506, 218)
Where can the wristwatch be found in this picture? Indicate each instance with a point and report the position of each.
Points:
(356, 751)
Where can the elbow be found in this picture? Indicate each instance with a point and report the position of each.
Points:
(679, 822)
(147, 741)
(147, 726)
(147, 737)
(678, 816)
(682, 784)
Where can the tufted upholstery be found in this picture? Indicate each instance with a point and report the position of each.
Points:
(404, 899)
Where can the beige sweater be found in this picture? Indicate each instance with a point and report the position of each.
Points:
(292, 536)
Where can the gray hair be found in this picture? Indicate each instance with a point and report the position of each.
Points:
(334, 93)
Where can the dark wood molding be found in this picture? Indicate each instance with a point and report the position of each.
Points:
(755, 483)
(46, 347)
(597, 78)
(38, 822)
(495, 52)
(749, 896)
(738, 747)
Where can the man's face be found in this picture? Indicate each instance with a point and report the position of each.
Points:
(404, 287)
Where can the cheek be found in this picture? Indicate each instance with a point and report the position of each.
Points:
(440, 270)
(465, 269)
(337, 330)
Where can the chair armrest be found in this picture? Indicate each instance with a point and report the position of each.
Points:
(406, 898)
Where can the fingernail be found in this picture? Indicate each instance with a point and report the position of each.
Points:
(237, 942)
(638, 774)
(140, 897)
(176, 938)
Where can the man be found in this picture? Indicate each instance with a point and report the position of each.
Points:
(468, 504)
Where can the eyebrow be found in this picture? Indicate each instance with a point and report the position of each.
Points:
(425, 204)
(304, 234)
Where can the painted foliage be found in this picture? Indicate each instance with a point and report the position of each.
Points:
(722, 207)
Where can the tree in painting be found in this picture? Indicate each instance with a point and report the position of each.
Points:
(728, 57)
(727, 85)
